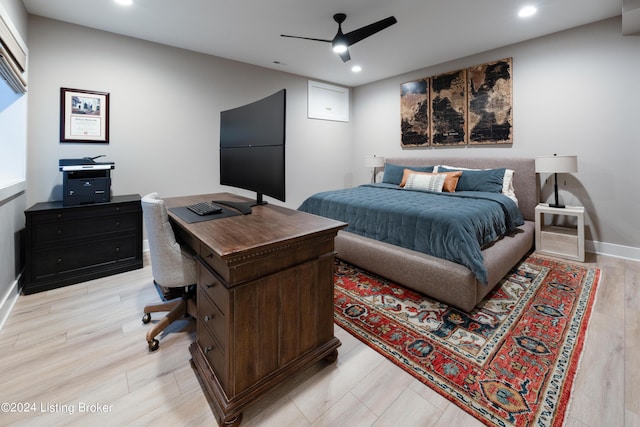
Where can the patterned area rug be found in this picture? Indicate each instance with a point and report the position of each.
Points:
(510, 362)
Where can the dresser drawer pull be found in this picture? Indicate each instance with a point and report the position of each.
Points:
(117, 223)
(59, 232)
(59, 216)
(59, 260)
(209, 255)
(207, 317)
(207, 349)
(210, 285)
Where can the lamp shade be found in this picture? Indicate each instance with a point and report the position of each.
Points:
(373, 162)
(557, 164)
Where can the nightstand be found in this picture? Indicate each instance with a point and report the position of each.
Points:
(564, 242)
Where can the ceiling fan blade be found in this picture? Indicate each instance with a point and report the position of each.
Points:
(345, 56)
(355, 36)
(305, 38)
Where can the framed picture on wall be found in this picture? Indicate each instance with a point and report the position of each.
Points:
(84, 116)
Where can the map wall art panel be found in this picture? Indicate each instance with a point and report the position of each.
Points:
(414, 113)
(489, 88)
(449, 109)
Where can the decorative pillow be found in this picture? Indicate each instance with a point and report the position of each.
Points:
(488, 180)
(449, 184)
(507, 182)
(393, 173)
(425, 182)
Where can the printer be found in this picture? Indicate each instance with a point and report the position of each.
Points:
(85, 181)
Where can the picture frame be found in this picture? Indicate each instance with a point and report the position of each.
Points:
(84, 116)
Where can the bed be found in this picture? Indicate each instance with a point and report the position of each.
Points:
(385, 239)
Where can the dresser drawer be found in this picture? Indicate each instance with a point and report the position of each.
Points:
(68, 258)
(211, 285)
(210, 316)
(59, 231)
(84, 211)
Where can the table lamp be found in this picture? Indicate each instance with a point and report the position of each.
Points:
(556, 164)
(373, 162)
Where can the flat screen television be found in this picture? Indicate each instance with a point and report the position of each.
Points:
(252, 139)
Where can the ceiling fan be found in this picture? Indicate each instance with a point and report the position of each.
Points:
(341, 42)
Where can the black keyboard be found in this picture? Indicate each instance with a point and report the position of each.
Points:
(204, 208)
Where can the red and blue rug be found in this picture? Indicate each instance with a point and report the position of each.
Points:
(510, 362)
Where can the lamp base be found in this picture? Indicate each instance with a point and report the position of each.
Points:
(556, 205)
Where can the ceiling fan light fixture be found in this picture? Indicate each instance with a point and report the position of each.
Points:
(339, 47)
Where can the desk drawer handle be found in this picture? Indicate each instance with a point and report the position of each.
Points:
(209, 255)
(207, 317)
(210, 285)
(207, 349)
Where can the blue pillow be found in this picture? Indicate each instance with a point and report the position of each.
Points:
(488, 180)
(393, 173)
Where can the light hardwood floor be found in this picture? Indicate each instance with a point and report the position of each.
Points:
(77, 356)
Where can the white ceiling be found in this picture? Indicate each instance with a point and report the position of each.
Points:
(428, 32)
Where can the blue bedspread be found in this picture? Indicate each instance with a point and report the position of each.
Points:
(453, 226)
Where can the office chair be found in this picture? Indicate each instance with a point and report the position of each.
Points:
(173, 269)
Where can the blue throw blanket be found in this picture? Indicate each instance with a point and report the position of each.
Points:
(453, 226)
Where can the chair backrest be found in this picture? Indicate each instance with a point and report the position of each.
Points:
(171, 265)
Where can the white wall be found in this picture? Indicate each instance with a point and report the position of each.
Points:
(13, 140)
(164, 115)
(575, 92)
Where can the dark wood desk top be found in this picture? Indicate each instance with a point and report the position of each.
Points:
(267, 225)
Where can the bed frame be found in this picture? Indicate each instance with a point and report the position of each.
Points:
(437, 278)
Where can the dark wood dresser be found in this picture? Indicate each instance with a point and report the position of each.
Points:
(265, 299)
(72, 244)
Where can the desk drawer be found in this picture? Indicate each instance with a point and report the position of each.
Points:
(210, 316)
(212, 286)
(214, 354)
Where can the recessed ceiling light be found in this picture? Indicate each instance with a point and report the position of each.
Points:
(356, 68)
(124, 2)
(527, 11)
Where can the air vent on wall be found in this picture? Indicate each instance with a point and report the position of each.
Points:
(13, 59)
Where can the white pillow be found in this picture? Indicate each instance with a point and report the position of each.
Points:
(507, 180)
(422, 182)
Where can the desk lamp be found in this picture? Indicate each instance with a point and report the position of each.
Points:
(556, 164)
(373, 162)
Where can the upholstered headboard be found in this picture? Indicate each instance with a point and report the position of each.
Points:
(524, 178)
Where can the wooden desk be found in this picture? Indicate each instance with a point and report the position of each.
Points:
(265, 299)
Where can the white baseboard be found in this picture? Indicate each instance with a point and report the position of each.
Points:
(610, 249)
(8, 301)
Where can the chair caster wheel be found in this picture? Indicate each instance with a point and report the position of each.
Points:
(154, 344)
(146, 318)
